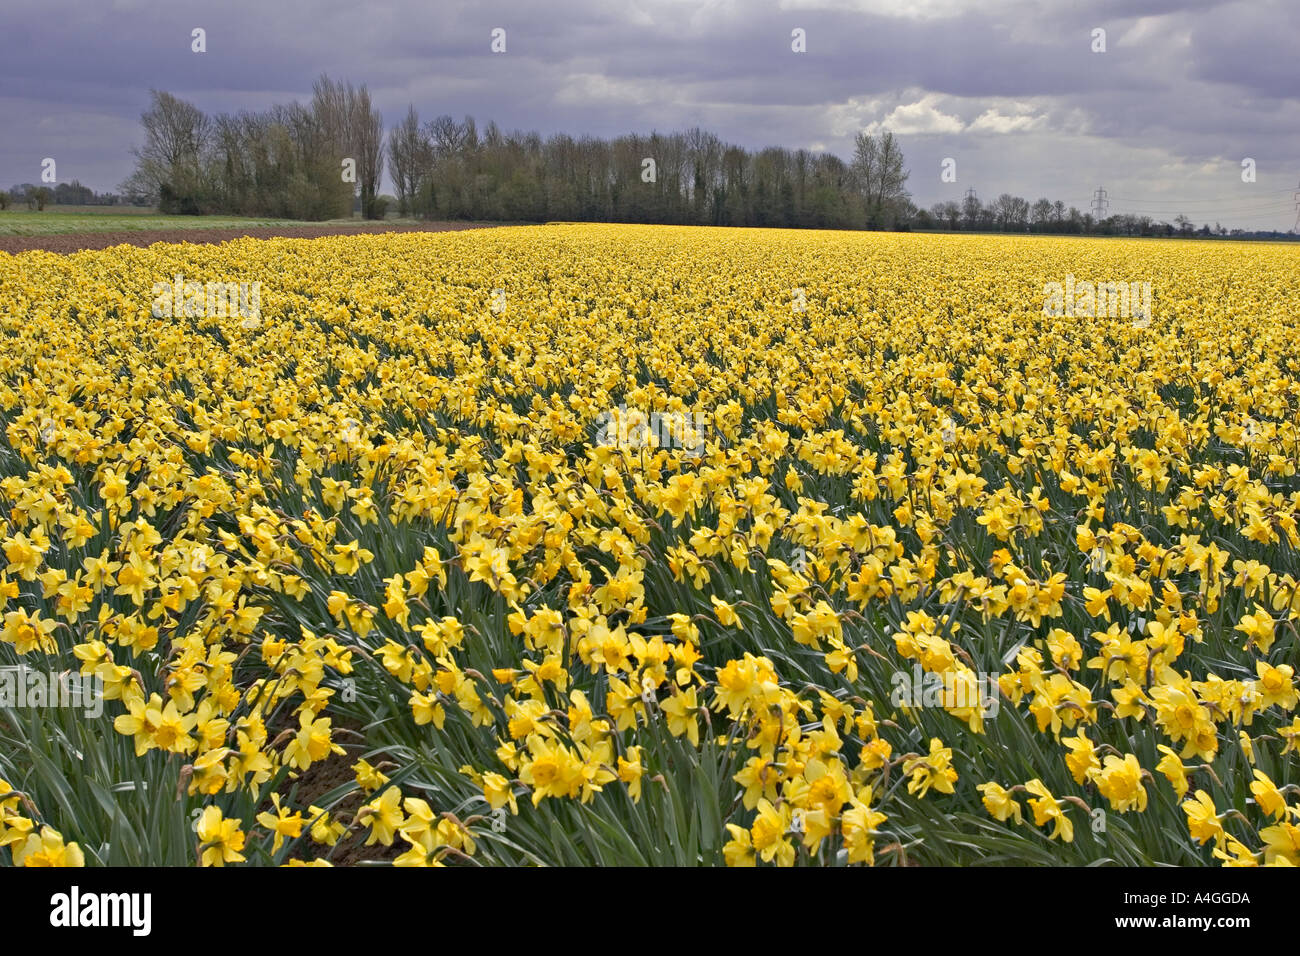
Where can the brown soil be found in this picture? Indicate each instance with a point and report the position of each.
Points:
(76, 242)
(307, 787)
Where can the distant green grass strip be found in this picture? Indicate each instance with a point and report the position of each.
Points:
(24, 222)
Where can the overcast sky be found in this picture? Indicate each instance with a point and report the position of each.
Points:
(1011, 90)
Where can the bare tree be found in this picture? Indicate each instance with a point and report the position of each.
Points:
(1010, 212)
(168, 165)
(865, 165)
(367, 133)
(409, 155)
(1041, 213)
(353, 130)
(880, 177)
(892, 176)
(1019, 219)
(446, 136)
(947, 212)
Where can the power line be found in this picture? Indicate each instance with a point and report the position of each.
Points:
(1179, 202)
(1262, 203)
(1260, 207)
(1209, 213)
(1238, 204)
(1100, 204)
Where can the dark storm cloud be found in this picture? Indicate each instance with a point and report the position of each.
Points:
(1009, 89)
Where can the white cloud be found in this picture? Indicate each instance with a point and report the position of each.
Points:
(905, 9)
(847, 118)
(924, 113)
(995, 121)
(918, 119)
(584, 88)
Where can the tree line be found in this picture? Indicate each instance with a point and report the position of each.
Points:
(297, 161)
(325, 159)
(444, 169)
(292, 161)
(61, 194)
(1010, 213)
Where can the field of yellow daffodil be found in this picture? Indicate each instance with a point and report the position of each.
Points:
(927, 575)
